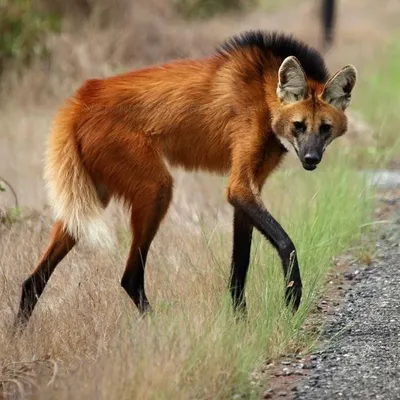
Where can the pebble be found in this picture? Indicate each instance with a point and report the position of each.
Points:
(308, 366)
(268, 394)
(287, 371)
(349, 276)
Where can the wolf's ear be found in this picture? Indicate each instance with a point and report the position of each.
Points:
(337, 90)
(292, 85)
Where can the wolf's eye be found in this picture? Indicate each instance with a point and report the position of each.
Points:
(325, 129)
(299, 127)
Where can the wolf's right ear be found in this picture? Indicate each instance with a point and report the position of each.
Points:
(292, 85)
(337, 90)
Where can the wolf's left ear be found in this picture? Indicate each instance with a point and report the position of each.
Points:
(337, 90)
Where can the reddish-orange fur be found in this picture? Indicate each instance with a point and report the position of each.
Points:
(115, 135)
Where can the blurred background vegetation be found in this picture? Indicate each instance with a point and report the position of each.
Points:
(25, 24)
(23, 28)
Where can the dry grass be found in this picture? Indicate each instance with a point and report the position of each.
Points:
(18, 379)
(191, 347)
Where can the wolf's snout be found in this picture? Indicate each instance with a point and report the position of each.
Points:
(312, 158)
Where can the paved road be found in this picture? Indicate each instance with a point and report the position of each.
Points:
(361, 356)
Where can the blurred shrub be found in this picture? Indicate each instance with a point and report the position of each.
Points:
(102, 13)
(22, 31)
(69, 8)
(208, 8)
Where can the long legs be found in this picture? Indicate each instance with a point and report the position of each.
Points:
(143, 181)
(242, 235)
(145, 184)
(147, 188)
(145, 220)
(60, 245)
(276, 235)
(245, 217)
(61, 242)
(249, 212)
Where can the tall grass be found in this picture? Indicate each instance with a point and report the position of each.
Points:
(191, 347)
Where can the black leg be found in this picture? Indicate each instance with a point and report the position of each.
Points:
(274, 232)
(242, 234)
(145, 222)
(60, 245)
(133, 278)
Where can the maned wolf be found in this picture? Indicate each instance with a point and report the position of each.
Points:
(237, 111)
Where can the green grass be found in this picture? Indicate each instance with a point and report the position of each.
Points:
(379, 101)
(323, 220)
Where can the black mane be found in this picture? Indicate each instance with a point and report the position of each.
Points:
(280, 45)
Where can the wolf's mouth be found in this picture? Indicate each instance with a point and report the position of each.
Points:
(309, 167)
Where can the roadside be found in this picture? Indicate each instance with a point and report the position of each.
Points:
(357, 356)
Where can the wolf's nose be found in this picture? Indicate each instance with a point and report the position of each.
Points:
(312, 158)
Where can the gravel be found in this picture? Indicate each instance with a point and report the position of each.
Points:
(359, 357)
